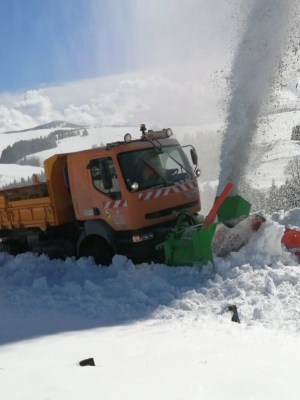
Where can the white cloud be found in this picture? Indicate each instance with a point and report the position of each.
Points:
(12, 119)
(36, 105)
(181, 57)
(125, 100)
(32, 109)
(155, 100)
(152, 99)
(172, 53)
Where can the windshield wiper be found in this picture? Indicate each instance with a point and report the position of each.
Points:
(182, 166)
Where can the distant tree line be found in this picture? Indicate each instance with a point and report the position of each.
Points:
(64, 134)
(84, 132)
(296, 133)
(33, 161)
(23, 148)
(60, 134)
(24, 181)
(286, 196)
(283, 197)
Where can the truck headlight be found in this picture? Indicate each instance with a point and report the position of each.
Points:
(134, 186)
(169, 132)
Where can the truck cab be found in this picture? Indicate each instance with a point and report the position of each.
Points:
(128, 194)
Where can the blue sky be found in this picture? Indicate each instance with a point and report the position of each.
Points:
(118, 62)
(113, 62)
(46, 41)
(53, 41)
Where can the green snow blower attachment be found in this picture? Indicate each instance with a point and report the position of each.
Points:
(190, 243)
(232, 208)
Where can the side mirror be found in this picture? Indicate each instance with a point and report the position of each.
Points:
(105, 174)
(92, 164)
(194, 156)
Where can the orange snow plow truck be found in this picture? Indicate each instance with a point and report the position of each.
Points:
(119, 199)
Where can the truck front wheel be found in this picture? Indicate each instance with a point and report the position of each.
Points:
(98, 248)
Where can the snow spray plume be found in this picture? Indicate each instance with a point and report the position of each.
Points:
(251, 77)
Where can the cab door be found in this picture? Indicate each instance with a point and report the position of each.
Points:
(107, 199)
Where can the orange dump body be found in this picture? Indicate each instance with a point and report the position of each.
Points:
(39, 205)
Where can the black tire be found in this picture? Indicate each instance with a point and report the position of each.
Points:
(13, 247)
(98, 248)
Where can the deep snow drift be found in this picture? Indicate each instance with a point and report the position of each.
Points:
(154, 331)
(256, 279)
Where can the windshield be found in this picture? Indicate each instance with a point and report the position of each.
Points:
(148, 168)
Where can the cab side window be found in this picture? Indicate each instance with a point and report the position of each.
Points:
(108, 184)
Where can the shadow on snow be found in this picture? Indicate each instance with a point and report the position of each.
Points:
(41, 297)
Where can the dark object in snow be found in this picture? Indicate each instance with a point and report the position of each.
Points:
(296, 133)
(235, 315)
(88, 361)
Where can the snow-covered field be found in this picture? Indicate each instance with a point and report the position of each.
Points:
(154, 331)
(157, 332)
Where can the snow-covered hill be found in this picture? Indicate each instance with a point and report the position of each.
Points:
(272, 147)
(51, 125)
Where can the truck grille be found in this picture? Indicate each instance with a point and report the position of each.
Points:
(168, 211)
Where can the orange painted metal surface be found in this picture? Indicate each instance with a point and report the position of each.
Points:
(54, 203)
(291, 240)
(59, 194)
(213, 212)
(131, 211)
(25, 207)
(40, 205)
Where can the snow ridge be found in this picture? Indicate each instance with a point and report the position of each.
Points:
(262, 279)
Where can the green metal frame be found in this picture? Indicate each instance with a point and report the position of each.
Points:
(233, 207)
(192, 245)
(188, 245)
